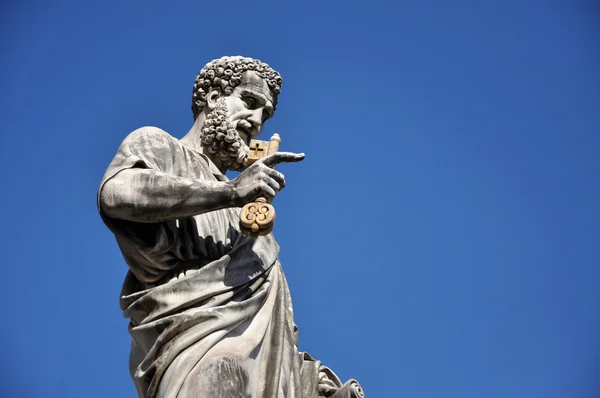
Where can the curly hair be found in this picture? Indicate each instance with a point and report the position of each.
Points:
(225, 74)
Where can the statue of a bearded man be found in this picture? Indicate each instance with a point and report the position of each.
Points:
(210, 309)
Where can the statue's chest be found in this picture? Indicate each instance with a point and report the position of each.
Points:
(192, 165)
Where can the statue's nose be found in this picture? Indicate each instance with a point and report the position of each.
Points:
(256, 118)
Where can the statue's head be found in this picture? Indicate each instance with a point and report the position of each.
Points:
(236, 95)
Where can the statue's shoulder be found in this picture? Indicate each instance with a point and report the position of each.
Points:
(149, 137)
(150, 132)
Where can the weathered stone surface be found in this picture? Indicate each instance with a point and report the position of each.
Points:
(210, 309)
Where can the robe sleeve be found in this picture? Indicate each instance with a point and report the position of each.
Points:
(145, 148)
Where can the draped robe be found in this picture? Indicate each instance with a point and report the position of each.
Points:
(209, 308)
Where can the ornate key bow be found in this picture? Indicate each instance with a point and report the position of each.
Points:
(258, 217)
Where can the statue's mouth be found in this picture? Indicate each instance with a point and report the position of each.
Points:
(244, 137)
(244, 130)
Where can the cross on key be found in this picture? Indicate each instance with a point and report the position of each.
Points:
(257, 148)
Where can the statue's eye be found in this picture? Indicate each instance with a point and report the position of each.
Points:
(250, 102)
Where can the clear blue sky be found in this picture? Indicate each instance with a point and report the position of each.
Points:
(441, 239)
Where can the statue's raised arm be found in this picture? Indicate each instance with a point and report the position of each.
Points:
(209, 307)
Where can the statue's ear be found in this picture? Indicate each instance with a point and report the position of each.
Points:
(211, 99)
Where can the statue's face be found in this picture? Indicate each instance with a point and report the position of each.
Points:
(236, 119)
(250, 106)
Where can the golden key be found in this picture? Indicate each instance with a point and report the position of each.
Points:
(258, 217)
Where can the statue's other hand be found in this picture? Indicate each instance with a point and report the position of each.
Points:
(261, 180)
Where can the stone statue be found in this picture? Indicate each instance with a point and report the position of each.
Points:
(209, 307)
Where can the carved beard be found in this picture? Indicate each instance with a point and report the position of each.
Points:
(222, 140)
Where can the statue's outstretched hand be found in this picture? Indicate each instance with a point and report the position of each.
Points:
(260, 179)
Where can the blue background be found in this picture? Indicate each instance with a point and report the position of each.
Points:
(441, 239)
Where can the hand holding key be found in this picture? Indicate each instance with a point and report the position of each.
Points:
(260, 182)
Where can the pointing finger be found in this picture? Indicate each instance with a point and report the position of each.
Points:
(282, 157)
